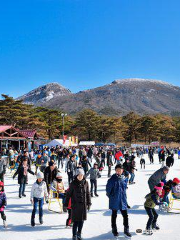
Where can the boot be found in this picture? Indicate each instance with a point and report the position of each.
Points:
(32, 222)
(79, 236)
(4, 224)
(155, 226)
(115, 232)
(41, 220)
(148, 231)
(126, 232)
(96, 195)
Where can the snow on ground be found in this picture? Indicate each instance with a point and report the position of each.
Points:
(98, 225)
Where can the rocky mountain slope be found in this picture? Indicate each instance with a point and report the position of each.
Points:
(43, 94)
(143, 96)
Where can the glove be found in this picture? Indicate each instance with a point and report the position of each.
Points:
(47, 201)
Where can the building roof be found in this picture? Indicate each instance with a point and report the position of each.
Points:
(5, 127)
(28, 133)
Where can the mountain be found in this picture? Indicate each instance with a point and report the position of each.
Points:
(43, 94)
(144, 96)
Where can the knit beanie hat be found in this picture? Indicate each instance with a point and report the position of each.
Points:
(80, 171)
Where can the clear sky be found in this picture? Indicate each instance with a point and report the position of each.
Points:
(87, 43)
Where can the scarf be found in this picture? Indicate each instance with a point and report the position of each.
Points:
(25, 169)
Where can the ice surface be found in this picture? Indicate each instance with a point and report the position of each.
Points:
(98, 225)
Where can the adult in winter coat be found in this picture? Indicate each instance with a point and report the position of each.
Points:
(50, 173)
(81, 202)
(22, 173)
(38, 193)
(94, 175)
(2, 168)
(85, 163)
(109, 162)
(170, 160)
(116, 192)
(157, 177)
(71, 168)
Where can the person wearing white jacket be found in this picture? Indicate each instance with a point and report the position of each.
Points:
(38, 193)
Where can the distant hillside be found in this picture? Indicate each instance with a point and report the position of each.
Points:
(144, 96)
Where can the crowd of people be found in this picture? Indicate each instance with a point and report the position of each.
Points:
(79, 164)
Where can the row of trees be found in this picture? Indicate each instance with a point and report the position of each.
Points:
(88, 125)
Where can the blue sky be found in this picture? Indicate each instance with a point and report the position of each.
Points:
(87, 43)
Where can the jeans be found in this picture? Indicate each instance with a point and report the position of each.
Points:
(77, 227)
(93, 185)
(22, 189)
(132, 177)
(41, 202)
(114, 216)
(152, 217)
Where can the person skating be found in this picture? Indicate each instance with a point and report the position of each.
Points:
(22, 173)
(58, 186)
(71, 168)
(142, 163)
(2, 168)
(152, 199)
(3, 203)
(170, 161)
(38, 193)
(116, 192)
(94, 175)
(81, 202)
(69, 219)
(109, 162)
(50, 173)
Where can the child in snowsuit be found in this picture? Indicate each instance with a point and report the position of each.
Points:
(152, 199)
(168, 186)
(142, 162)
(3, 203)
(38, 193)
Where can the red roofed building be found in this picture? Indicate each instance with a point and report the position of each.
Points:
(13, 137)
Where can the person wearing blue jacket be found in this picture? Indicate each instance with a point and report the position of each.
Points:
(116, 192)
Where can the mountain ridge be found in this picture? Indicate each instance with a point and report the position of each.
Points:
(144, 96)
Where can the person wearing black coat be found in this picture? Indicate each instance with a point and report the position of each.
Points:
(109, 162)
(170, 160)
(84, 163)
(80, 201)
(22, 173)
(50, 173)
(71, 168)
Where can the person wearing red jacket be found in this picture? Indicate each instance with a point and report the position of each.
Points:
(69, 220)
(118, 157)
